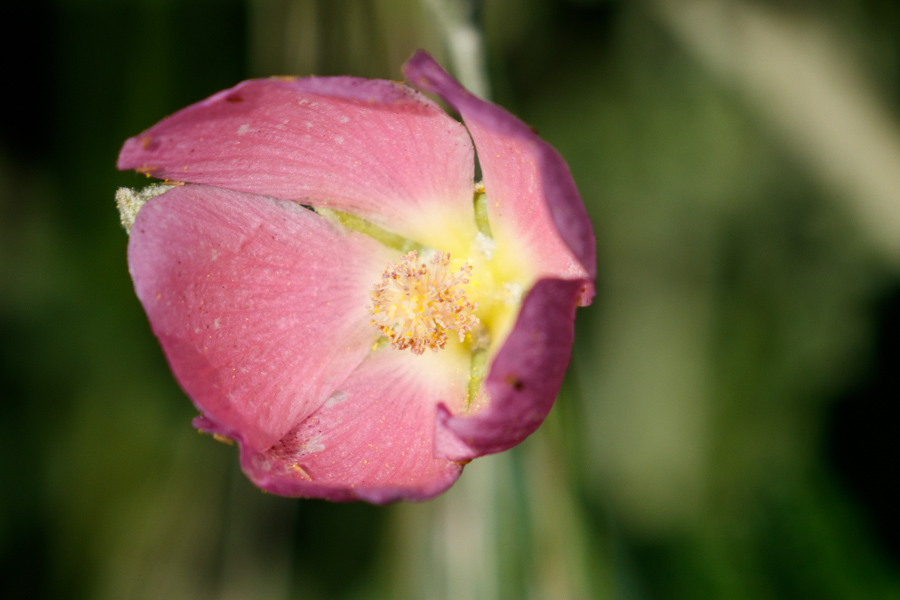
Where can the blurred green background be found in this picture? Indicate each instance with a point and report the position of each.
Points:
(728, 428)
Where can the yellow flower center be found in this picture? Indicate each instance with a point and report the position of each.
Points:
(414, 305)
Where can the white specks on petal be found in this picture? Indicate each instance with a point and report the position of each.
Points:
(485, 245)
(262, 463)
(245, 128)
(215, 323)
(336, 398)
(313, 444)
(339, 139)
(344, 119)
(513, 292)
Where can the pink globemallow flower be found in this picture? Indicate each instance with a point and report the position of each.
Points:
(334, 291)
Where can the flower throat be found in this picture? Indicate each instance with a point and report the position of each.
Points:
(414, 305)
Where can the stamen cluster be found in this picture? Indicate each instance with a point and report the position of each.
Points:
(414, 306)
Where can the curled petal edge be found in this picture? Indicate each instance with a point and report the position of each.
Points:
(524, 378)
(492, 125)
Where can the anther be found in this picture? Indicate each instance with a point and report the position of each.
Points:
(414, 306)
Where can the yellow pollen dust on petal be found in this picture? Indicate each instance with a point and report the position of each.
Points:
(414, 305)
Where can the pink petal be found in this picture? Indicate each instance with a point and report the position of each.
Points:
(375, 148)
(373, 440)
(524, 378)
(259, 304)
(531, 196)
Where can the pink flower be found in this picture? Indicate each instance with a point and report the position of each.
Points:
(325, 294)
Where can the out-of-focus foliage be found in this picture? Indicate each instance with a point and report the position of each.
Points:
(728, 428)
